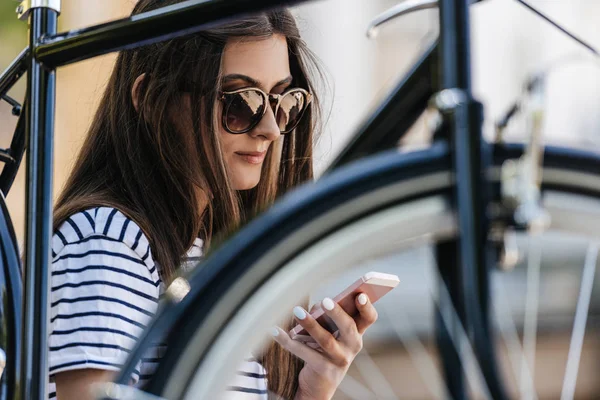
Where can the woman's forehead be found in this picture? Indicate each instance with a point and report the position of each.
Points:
(264, 60)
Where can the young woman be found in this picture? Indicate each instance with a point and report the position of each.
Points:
(193, 137)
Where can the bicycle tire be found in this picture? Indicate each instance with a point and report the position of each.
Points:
(11, 306)
(204, 313)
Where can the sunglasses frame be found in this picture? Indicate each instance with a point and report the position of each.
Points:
(269, 99)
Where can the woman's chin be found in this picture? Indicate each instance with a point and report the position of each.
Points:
(246, 184)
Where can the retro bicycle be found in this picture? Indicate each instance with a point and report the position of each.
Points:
(470, 208)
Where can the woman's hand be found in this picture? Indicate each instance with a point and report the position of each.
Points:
(324, 369)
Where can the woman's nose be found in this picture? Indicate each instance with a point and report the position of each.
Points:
(267, 126)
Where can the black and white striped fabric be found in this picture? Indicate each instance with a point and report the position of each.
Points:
(105, 289)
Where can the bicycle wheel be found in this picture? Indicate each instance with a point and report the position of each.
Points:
(367, 211)
(10, 307)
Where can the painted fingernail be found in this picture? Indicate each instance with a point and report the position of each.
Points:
(328, 304)
(362, 299)
(274, 331)
(299, 312)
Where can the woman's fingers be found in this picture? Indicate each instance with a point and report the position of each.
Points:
(347, 326)
(339, 350)
(298, 349)
(367, 313)
(323, 337)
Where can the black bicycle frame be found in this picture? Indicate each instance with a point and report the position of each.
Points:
(39, 130)
(48, 50)
(462, 127)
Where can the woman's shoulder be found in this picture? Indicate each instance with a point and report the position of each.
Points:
(105, 224)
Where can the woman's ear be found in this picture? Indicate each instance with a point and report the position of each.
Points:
(135, 89)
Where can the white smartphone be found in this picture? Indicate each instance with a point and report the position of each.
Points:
(373, 284)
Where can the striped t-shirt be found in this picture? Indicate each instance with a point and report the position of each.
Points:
(105, 289)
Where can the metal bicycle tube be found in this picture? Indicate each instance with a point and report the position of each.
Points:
(39, 132)
(455, 45)
(464, 119)
(13, 72)
(445, 254)
(16, 149)
(165, 23)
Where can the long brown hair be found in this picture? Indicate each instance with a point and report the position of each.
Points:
(161, 177)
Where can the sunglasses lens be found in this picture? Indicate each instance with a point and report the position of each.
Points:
(290, 110)
(244, 111)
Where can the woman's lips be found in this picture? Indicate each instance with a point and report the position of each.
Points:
(252, 157)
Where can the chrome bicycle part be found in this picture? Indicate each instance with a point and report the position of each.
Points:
(178, 289)
(403, 8)
(521, 179)
(26, 6)
(448, 99)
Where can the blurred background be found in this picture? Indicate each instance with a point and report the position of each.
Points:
(510, 44)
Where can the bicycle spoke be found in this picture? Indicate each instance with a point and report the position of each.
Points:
(373, 375)
(581, 313)
(508, 331)
(417, 352)
(450, 318)
(531, 318)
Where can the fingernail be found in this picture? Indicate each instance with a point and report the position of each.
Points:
(328, 304)
(299, 312)
(274, 331)
(362, 299)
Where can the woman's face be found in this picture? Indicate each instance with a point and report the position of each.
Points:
(263, 64)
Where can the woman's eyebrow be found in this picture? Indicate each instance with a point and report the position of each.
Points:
(236, 77)
(252, 81)
(287, 80)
